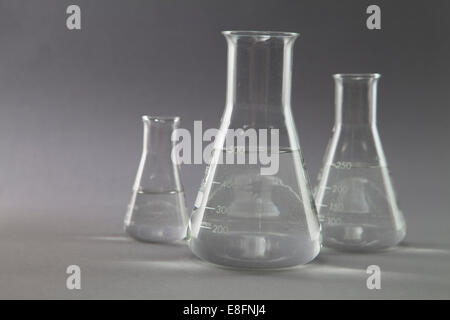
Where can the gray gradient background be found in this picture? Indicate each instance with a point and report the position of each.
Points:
(70, 135)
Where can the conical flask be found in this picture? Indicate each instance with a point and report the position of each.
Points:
(248, 214)
(355, 197)
(157, 210)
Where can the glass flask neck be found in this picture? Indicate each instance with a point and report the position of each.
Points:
(159, 172)
(158, 133)
(356, 99)
(259, 68)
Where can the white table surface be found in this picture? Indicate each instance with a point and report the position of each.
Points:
(37, 246)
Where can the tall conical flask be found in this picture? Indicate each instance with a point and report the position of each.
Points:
(355, 198)
(157, 210)
(256, 213)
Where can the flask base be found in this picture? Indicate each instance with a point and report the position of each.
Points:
(361, 238)
(254, 251)
(152, 234)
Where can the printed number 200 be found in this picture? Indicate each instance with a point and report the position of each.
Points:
(218, 228)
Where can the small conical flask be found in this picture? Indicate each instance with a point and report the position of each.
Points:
(355, 198)
(250, 214)
(157, 210)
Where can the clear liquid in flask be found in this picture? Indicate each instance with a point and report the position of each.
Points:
(256, 221)
(355, 211)
(157, 217)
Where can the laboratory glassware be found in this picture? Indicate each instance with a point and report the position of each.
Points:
(355, 198)
(244, 217)
(157, 210)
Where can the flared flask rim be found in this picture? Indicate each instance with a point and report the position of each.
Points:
(162, 119)
(253, 33)
(356, 76)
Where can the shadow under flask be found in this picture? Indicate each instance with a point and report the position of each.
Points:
(256, 213)
(355, 198)
(157, 210)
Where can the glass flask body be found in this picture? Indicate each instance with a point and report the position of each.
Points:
(157, 210)
(355, 198)
(248, 214)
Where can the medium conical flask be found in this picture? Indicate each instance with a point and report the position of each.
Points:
(157, 210)
(256, 213)
(355, 198)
